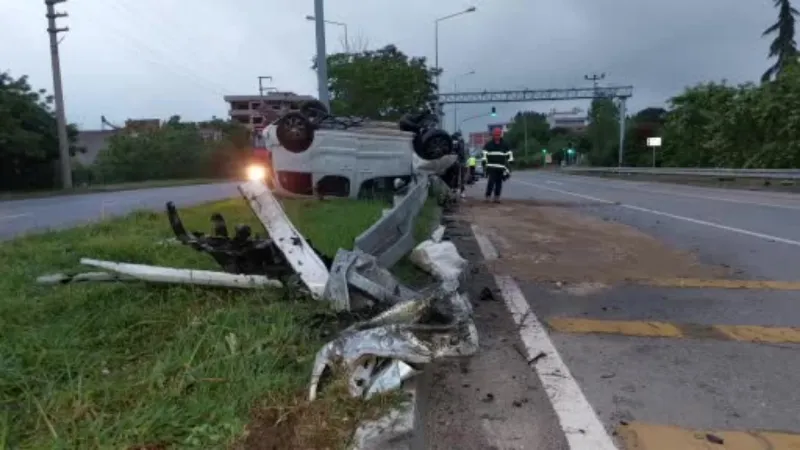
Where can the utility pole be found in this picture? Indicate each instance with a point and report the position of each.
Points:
(61, 118)
(322, 60)
(594, 78)
(261, 88)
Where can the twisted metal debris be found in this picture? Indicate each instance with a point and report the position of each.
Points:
(411, 329)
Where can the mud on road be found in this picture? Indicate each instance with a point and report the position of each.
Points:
(551, 242)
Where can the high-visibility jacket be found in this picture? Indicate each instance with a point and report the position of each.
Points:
(497, 154)
(471, 161)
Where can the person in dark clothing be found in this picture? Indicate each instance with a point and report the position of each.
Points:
(460, 148)
(497, 155)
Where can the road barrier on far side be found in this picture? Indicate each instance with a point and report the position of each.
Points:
(774, 174)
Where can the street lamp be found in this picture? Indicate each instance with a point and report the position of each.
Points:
(341, 24)
(436, 46)
(455, 89)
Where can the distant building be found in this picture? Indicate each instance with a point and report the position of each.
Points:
(577, 124)
(257, 111)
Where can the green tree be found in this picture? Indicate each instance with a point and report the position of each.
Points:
(783, 47)
(28, 136)
(603, 132)
(646, 123)
(745, 126)
(176, 150)
(538, 131)
(382, 84)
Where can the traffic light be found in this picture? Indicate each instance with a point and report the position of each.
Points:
(544, 150)
(494, 111)
(571, 151)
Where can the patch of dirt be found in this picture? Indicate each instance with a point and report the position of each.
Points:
(544, 243)
(291, 422)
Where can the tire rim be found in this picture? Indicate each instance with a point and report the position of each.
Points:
(295, 128)
(439, 147)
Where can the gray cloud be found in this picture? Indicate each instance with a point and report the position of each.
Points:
(154, 58)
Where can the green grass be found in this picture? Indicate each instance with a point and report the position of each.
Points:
(103, 188)
(125, 365)
(426, 221)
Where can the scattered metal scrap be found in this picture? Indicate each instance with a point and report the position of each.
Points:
(408, 329)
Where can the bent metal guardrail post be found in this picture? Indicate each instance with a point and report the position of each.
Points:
(392, 236)
(303, 259)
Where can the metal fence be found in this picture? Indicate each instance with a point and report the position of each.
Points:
(781, 174)
(392, 237)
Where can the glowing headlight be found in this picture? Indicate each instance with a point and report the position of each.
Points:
(255, 173)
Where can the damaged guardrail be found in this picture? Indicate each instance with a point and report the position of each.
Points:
(408, 328)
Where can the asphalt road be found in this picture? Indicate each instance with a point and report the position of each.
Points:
(19, 217)
(685, 376)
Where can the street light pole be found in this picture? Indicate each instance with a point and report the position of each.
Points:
(436, 52)
(341, 24)
(455, 105)
(322, 62)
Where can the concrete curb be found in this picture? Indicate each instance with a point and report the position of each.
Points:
(402, 428)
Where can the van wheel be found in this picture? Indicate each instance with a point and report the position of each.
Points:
(314, 110)
(434, 144)
(295, 132)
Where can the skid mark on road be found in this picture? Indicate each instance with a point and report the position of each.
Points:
(671, 216)
(579, 422)
(644, 436)
(639, 328)
(699, 283)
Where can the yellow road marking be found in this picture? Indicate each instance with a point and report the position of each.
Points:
(751, 333)
(628, 328)
(742, 333)
(721, 284)
(643, 436)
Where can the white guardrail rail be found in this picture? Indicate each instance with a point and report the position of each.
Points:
(392, 236)
(776, 174)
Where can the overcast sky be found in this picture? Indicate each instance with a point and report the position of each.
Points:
(154, 58)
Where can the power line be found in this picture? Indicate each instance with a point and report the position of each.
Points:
(167, 28)
(158, 58)
(58, 92)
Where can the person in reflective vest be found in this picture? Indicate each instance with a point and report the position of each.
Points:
(471, 162)
(497, 155)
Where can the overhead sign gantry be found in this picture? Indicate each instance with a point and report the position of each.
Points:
(621, 93)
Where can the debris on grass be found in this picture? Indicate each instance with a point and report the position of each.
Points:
(385, 332)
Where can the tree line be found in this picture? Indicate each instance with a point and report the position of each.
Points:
(29, 151)
(711, 124)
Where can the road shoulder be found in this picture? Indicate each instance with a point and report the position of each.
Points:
(494, 400)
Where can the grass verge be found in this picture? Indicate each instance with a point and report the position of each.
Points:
(104, 188)
(140, 366)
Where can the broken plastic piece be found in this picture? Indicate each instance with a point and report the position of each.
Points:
(60, 278)
(440, 259)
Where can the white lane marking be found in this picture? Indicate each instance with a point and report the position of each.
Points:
(683, 194)
(13, 216)
(720, 226)
(557, 183)
(579, 422)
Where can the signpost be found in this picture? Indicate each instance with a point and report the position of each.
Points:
(654, 142)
